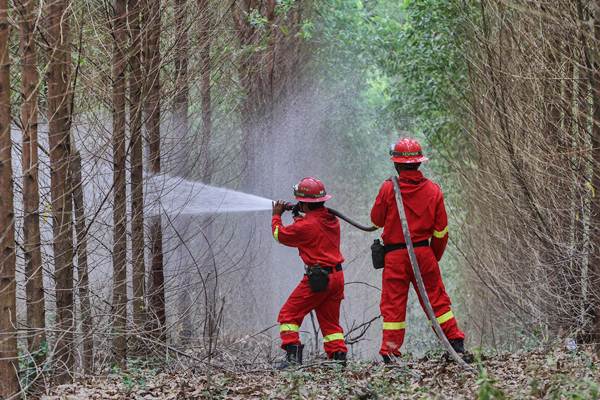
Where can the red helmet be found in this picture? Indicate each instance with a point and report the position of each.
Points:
(407, 151)
(310, 190)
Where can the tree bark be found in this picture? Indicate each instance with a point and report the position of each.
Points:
(181, 100)
(82, 263)
(34, 288)
(136, 162)
(205, 94)
(9, 382)
(119, 185)
(151, 56)
(594, 257)
(59, 100)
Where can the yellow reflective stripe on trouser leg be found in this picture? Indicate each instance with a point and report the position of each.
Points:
(440, 234)
(333, 336)
(394, 326)
(289, 328)
(276, 233)
(445, 317)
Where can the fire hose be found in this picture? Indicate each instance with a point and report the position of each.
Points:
(420, 285)
(294, 208)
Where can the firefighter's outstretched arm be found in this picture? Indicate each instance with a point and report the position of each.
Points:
(440, 229)
(292, 235)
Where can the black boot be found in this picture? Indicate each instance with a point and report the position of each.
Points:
(389, 359)
(340, 357)
(294, 354)
(459, 346)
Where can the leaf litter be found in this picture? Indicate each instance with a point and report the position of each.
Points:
(554, 373)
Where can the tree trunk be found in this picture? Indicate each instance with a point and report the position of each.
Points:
(34, 288)
(179, 151)
(594, 257)
(181, 100)
(82, 263)
(9, 382)
(152, 26)
(205, 95)
(119, 190)
(136, 162)
(59, 100)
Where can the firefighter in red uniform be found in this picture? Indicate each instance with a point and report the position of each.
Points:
(427, 220)
(317, 237)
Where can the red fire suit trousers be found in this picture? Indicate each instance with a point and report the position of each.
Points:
(397, 276)
(327, 307)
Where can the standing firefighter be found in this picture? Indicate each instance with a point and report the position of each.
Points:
(317, 237)
(427, 219)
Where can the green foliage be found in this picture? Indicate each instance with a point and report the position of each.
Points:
(29, 364)
(256, 19)
(487, 386)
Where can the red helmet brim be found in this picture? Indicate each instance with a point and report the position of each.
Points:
(313, 199)
(409, 160)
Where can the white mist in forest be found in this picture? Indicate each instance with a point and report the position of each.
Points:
(179, 196)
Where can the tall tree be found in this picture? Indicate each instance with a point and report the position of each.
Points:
(178, 161)
(34, 287)
(151, 20)
(119, 184)
(9, 382)
(59, 114)
(205, 94)
(82, 263)
(136, 162)
(182, 91)
(594, 258)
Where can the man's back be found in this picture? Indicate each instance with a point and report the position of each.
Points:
(424, 204)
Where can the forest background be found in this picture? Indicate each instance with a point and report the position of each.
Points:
(106, 107)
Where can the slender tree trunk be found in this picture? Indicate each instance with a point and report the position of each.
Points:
(82, 263)
(205, 94)
(120, 208)
(34, 288)
(59, 97)
(152, 26)
(136, 162)
(9, 382)
(594, 258)
(181, 100)
(178, 161)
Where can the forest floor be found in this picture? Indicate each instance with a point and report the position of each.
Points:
(553, 374)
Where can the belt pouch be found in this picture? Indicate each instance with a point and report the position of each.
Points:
(318, 279)
(378, 254)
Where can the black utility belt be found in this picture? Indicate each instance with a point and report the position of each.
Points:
(318, 277)
(329, 270)
(399, 246)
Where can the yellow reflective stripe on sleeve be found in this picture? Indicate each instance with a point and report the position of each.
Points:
(333, 336)
(445, 317)
(440, 234)
(394, 326)
(289, 328)
(276, 233)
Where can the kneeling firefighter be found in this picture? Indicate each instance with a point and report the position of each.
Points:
(317, 237)
(428, 226)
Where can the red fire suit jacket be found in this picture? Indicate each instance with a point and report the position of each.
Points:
(316, 235)
(425, 212)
